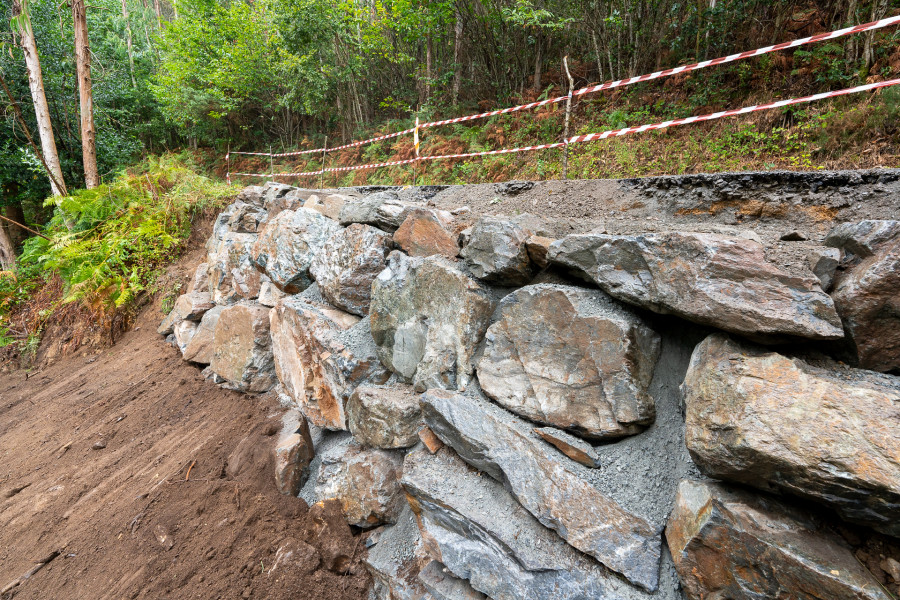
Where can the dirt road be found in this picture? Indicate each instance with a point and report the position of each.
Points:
(95, 454)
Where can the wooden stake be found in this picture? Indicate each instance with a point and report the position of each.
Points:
(568, 113)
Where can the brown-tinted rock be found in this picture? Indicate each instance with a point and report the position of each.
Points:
(287, 245)
(202, 345)
(537, 247)
(365, 481)
(432, 442)
(242, 352)
(269, 294)
(232, 274)
(866, 295)
(384, 416)
(572, 358)
(769, 421)
(710, 279)
(576, 449)
(329, 205)
(546, 486)
(730, 544)
(496, 252)
(422, 234)
(293, 453)
(321, 355)
(427, 318)
(188, 307)
(348, 263)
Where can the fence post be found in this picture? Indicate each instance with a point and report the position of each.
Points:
(228, 164)
(324, 154)
(568, 113)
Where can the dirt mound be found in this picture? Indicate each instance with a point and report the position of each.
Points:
(151, 482)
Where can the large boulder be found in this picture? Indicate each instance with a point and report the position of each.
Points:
(188, 307)
(710, 279)
(546, 486)
(184, 332)
(321, 355)
(572, 358)
(348, 263)
(200, 280)
(293, 453)
(481, 533)
(287, 245)
(427, 318)
(201, 347)
(730, 544)
(365, 481)
(383, 210)
(232, 274)
(329, 205)
(497, 252)
(443, 585)
(423, 234)
(246, 218)
(384, 416)
(770, 421)
(243, 349)
(866, 294)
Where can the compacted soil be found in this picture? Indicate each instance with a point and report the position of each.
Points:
(137, 478)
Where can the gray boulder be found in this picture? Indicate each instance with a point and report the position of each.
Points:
(246, 218)
(188, 307)
(232, 274)
(348, 263)
(365, 481)
(328, 205)
(384, 416)
(202, 345)
(482, 534)
(184, 332)
(243, 349)
(710, 279)
(769, 421)
(731, 544)
(287, 245)
(383, 210)
(864, 237)
(572, 358)
(547, 487)
(427, 318)
(443, 585)
(496, 252)
(200, 280)
(397, 560)
(866, 294)
(321, 354)
(823, 262)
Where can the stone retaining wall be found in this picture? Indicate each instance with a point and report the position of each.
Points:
(547, 405)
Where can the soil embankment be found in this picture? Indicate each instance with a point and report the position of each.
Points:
(131, 466)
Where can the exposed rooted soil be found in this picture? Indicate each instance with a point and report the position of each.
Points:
(95, 454)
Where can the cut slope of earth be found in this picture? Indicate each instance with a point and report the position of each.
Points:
(132, 466)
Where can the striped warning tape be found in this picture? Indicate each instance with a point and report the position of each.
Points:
(881, 23)
(606, 134)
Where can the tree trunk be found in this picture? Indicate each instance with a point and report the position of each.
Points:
(429, 54)
(17, 235)
(41, 109)
(158, 12)
(538, 63)
(457, 68)
(7, 253)
(86, 99)
(128, 42)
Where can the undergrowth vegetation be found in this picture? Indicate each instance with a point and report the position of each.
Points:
(105, 248)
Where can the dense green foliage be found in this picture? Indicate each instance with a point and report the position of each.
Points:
(274, 71)
(118, 239)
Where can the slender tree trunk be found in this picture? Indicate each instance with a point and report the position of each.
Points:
(85, 97)
(158, 11)
(17, 235)
(128, 42)
(41, 109)
(538, 63)
(457, 68)
(7, 251)
(429, 55)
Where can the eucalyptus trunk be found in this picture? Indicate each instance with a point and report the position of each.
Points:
(85, 96)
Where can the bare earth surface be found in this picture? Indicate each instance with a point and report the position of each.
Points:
(94, 460)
